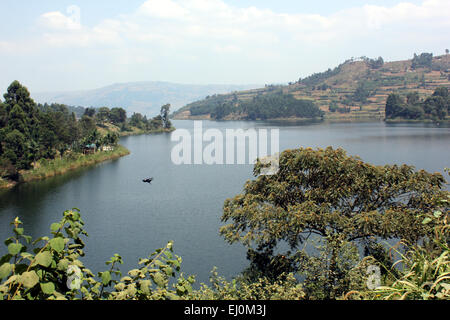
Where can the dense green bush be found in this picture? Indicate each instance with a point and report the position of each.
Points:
(434, 107)
(48, 266)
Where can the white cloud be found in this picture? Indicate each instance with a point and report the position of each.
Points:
(165, 9)
(165, 34)
(227, 49)
(58, 21)
(197, 21)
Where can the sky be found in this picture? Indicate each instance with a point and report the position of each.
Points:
(66, 45)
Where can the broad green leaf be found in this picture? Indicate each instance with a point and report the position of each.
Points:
(158, 263)
(126, 278)
(120, 286)
(437, 214)
(55, 227)
(63, 264)
(44, 258)
(168, 271)
(5, 270)
(29, 279)
(172, 296)
(48, 287)
(188, 287)
(181, 288)
(426, 220)
(59, 296)
(14, 248)
(57, 244)
(145, 286)
(168, 254)
(134, 272)
(106, 277)
(159, 280)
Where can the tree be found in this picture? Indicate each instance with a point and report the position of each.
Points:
(436, 107)
(423, 60)
(18, 120)
(394, 105)
(330, 195)
(118, 116)
(111, 138)
(87, 125)
(103, 114)
(17, 151)
(90, 112)
(3, 115)
(333, 107)
(18, 94)
(413, 98)
(376, 63)
(73, 129)
(137, 120)
(362, 92)
(441, 92)
(156, 123)
(165, 111)
(48, 138)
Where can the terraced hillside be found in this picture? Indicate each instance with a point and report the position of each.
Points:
(358, 88)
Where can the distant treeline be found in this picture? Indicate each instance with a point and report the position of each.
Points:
(434, 107)
(118, 117)
(267, 106)
(78, 111)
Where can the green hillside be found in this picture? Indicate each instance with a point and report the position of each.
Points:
(357, 88)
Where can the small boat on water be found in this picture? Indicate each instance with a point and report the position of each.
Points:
(148, 180)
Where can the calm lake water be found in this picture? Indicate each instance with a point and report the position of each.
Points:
(184, 203)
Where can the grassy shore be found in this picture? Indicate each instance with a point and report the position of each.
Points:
(48, 168)
(133, 131)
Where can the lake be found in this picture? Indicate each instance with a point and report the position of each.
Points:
(184, 202)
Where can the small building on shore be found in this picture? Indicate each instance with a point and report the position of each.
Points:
(89, 148)
(107, 148)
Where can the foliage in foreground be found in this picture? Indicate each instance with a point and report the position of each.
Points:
(326, 196)
(51, 268)
(425, 268)
(53, 265)
(333, 198)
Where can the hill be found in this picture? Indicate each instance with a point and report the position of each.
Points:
(142, 97)
(357, 88)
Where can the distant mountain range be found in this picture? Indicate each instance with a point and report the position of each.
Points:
(143, 97)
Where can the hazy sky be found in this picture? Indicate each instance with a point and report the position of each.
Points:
(53, 45)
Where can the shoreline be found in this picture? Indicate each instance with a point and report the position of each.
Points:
(56, 167)
(140, 132)
(60, 166)
(330, 119)
(399, 120)
(325, 119)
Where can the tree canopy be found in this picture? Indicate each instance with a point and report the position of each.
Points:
(327, 194)
(30, 131)
(434, 107)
